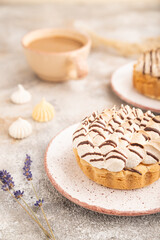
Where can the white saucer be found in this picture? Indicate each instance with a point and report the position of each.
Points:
(66, 176)
(121, 84)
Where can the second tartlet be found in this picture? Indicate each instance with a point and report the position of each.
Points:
(146, 74)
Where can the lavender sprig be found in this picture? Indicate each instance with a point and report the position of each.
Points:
(7, 180)
(18, 194)
(7, 184)
(39, 203)
(27, 168)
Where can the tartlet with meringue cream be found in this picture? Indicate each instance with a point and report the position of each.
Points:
(119, 149)
(146, 74)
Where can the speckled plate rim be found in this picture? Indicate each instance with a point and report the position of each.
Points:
(85, 205)
(127, 99)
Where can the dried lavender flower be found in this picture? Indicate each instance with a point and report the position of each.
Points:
(7, 183)
(7, 180)
(18, 194)
(27, 168)
(5, 187)
(39, 203)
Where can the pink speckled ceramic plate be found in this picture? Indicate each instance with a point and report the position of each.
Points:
(66, 176)
(121, 84)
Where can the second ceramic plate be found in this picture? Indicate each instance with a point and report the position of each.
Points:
(121, 84)
(66, 176)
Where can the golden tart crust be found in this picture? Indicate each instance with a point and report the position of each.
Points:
(146, 84)
(143, 176)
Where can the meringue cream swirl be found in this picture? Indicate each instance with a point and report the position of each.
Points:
(119, 139)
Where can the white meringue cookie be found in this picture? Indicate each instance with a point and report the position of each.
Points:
(43, 111)
(21, 95)
(20, 129)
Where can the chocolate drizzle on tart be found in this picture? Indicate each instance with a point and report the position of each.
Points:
(80, 130)
(134, 151)
(90, 154)
(109, 142)
(156, 120)
(132, 170)
(117, 130)
(137, 145)
(124, 139)
(149, 63)
(152, 130)
(114, 120)
(80, 135)
(130, 123)
(152, 155)
(138, 119)
(115, 151)
(121, 116)
(146, 119)
(96, 125)
(142, 125)
(146, 138)
(85, 142)
(96, 131)
(96, 160)
(117, 157)
(100, 122)
(128, 129)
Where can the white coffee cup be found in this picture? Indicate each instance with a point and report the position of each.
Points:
(58, 66)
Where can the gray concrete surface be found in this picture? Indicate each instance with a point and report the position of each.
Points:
(72, 101)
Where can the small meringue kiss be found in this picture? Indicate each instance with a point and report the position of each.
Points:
(21, 95)
(43, 112)
(20, 129)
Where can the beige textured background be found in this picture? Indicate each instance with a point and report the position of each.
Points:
(72, 100)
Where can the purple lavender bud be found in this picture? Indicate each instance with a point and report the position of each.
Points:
(26, 169)
(5, 187)
(18, 194)
(7, 180)
(39, 203)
